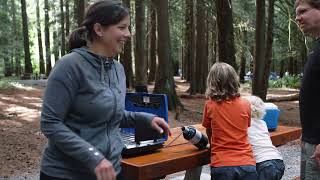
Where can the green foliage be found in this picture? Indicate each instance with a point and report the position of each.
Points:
(275, 83)
(292, 81)
(286, 81)
(176, 25)
(8, 83)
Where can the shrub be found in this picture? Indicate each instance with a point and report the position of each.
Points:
(286, 81)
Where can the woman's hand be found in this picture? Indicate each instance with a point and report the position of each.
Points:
(316, 155)
(160, 125)
(105, 171)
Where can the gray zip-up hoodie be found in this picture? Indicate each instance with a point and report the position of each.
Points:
(83, 108)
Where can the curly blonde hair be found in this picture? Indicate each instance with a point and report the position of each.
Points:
(222, 82)
(258, 109)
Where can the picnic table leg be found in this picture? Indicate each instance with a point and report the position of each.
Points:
(193, 174)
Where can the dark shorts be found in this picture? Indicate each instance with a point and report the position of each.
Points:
(234, 173)
(270, 169)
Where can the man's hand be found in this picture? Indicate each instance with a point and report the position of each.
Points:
(160, 125)
(316, 155)
(105, 171)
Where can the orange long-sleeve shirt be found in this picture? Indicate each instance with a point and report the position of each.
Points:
(229, 121)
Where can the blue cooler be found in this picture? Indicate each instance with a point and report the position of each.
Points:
(272, 115)
(144, 102)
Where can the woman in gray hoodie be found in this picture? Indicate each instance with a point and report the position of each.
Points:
(83, 104)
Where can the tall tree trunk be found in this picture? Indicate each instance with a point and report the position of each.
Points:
(282, 63)
(55, 36)
(55, 48)
(47, 37)
(268, 56)
(201, 52)
(27, 59)
(126, 57)
(212, 23)
(15, 39)
(295, 66)
(67, 18)
(191, 48)
(290, 65)
(62, 31)
(5, 48)
(140, 61)
(79, 11)
(164, 78)
(153, 44)
(259, 59)
(41, 60)
(225, 32)
(188, 38)
(242, 72)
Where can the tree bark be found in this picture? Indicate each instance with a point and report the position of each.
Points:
(190, 54)
(259, 59)
(41, 59)
(140, 61)
(153, 44)
(15, 39)
(126, 57)
(47, 37)
(27, 59)
(225, 32)
(79, 11)
(201, 46)
(67, 18)
(62, 31)
(242, 72)
(55, 36)
(164, 78)
(5, 48)
(268, 56)
(188, 38)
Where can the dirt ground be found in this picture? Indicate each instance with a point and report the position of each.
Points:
(21, 142)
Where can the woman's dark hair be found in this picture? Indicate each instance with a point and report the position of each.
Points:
(104, 12)
(313, 3)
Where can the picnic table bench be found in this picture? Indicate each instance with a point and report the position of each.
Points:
(181, 155)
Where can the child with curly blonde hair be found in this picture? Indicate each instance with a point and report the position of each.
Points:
(269, 165)
(226, 118)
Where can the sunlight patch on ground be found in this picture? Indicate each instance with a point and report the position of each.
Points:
(24, 113)
(21, 86)
(13, 99)
(29, 116)
(36, 104)
(31, 98)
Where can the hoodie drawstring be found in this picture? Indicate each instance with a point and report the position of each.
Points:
(102, 71)
(117, 86)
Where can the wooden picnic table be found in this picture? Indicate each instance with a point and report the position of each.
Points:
(181, 155)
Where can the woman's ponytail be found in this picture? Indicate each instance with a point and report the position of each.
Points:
(77, 38)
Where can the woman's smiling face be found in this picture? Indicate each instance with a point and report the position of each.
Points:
(113, 37)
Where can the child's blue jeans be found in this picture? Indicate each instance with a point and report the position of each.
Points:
(270, 170)
(234, 173)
